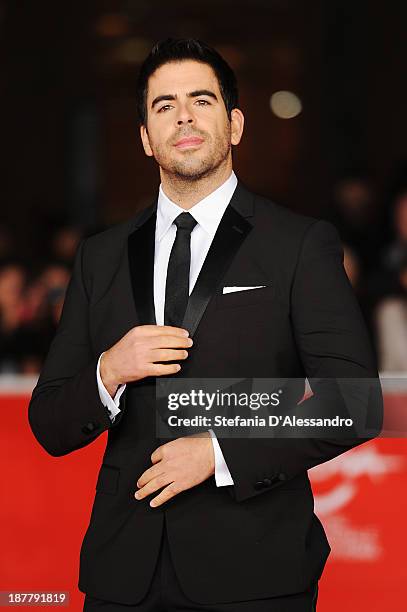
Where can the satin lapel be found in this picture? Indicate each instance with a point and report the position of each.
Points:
(141, 245)
(231, 232)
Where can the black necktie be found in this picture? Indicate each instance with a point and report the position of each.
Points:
(177, 283)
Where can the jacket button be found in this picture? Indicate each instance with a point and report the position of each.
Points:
(267, 482)
(282, 476)
(259, 485)
(89, 427)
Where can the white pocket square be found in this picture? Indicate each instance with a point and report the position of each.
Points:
(233, 289)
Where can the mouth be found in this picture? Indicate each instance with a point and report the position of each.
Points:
(189, 142)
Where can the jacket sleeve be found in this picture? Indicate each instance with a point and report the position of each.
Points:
(333, 343)
(65, 412)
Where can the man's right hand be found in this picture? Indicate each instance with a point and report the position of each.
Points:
(135, 356)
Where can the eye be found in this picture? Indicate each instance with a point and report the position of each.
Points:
(163, 108)
(205, 102)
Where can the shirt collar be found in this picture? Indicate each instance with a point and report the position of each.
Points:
(207, 212)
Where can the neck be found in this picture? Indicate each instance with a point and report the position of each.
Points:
(188, 192)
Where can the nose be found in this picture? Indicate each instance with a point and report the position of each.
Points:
(186, 120)
(184, 114)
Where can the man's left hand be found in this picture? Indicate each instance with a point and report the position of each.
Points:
(177, 465)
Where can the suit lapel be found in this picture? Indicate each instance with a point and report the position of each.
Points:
(232, 231)
(141, 246)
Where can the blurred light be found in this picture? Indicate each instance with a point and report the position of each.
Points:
(131, 51)
(285, 104)
(234, 56)
(112, 25)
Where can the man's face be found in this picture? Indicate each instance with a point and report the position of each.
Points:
(188, 130)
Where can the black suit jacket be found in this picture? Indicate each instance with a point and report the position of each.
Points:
(258, 538)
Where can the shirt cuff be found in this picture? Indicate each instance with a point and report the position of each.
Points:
(112, 404)
(222, 475)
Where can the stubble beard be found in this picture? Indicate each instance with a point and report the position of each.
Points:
(191, 167)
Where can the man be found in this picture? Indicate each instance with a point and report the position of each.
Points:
(198, 522)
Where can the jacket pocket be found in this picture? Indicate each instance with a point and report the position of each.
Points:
(108, 479)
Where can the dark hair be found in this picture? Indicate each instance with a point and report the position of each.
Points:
(178, 50)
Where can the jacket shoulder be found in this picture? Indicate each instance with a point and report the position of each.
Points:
(287, 219)
(110, 237)
(292, 227)
(102, 254)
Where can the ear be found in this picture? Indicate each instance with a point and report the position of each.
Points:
(146, 141)
(237, 125)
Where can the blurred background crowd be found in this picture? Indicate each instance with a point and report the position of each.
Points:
(374, 240)
(323, 89)
(31, 297)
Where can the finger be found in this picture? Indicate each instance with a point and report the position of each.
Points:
(171, 329)
(160, 369)
(168, 354)
(170, 341)
(166, 330)
(166, 494)
(157, 454)
(149, 474)
(153, 485)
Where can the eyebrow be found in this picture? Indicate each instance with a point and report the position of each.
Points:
(192, 94)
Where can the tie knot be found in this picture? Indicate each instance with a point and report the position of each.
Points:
(185, 221)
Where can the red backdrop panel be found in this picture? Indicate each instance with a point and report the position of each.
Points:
(360, 497)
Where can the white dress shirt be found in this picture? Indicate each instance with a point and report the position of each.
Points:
(208, 213)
